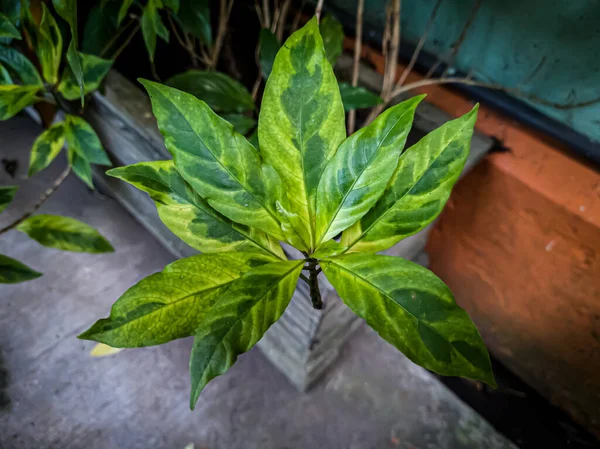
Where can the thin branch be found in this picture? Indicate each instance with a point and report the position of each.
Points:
(420, 44)
(188, 44)
(126, 42)
(276, 14)
(304, 278)
(510, 90)
(224, 12)
(298, 16)
(282, 19)
(259, 13)
(356, 64)
(319, 9)
(47, 194)
(390, 45)
(266, 13)
(116, 37)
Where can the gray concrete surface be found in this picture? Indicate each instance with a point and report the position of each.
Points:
(54, 395)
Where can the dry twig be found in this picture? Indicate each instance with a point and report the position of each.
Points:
(356, 64)
(319, 9)
(224, 12)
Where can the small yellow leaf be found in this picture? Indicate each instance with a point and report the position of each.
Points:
(102, 350)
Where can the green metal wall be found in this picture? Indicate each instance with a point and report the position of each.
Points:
(548, 48)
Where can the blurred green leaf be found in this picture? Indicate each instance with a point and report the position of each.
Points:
(356, 97)
(269, 46)
(94, 71)
(20, 65)
(241, 123)
(194, 18)
(49, 46)
(12, 271)
(221, 92)
(7, 193)
(7, 29)
(64, 233)
(15, 98)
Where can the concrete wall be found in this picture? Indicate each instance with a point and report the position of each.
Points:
(549, 48)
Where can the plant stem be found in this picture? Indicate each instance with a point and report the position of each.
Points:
(313, 283)
(224, 12)
(318, 10)
(47, 194)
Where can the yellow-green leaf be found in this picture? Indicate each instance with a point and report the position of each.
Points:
(219, 164)
(94, 70)
(12, 271)
(333, 38)
(15, 98)
(49, 46)
(7, 29)
(171, 304)
(239, 319)
(412, 309)
(124, 8)
(219, 91)
(102, 350)
(357, 175)
(7, 194)
(190, 217)
(64, 233)
(418, 190)
(20, 65)
(301, 123)
(46, 147)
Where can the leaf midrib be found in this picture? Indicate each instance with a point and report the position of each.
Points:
(405, 193)
(357, 178)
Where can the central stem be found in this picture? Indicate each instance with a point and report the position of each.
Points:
(313, 283)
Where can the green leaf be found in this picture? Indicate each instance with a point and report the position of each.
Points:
(357, 175)
(125, 5)
(171, 304)
(239, 319)
(412, 309)
(219, 164)
(12, 271)
(49, 46)
(14, 98)
(333, 38)
(241, 123)
(418, 190)
(7, 193)
(5, 77)
(67, 9)
(46, 147)
(80, 134)
(100, 27)
(7, 29)
(194, 17)
(94, 71)
(301, 123)
(269, 46)
(190, 217)
(20, 65)
(80, 165)
(152, 26)
(221, 92)
(172, 4)
(64, 233)
(356, 97)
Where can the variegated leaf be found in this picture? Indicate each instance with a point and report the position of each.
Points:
(301, 123)
(357, 175)
(12, 271)
(7, 194)
(413, 310)
(219, 164)
(239, 319)
(94, 70)
(171, 304)
(15, 98)
(418, 190)
(49, 46)
(46, 147)
(190, 217)
(20, 65)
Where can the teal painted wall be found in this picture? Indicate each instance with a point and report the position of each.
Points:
(509, 39)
